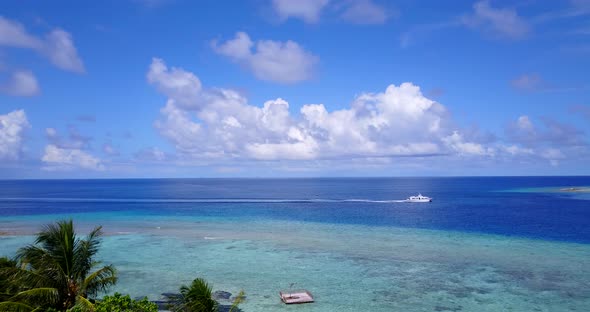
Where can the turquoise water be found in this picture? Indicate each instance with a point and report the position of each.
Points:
(349, 261)
(348, 267)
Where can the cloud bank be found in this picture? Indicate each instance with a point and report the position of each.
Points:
(215, 123)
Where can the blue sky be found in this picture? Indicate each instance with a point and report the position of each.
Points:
(175, 88)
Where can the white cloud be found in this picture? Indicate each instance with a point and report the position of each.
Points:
(12, 128)
(550, 140)
(215, 126)
(501, 22)
(20, 83)
(553, 155)
(59, 48)
(176, 83)
(399, 121)
(65, 159)
(365, 12)
(178, 127)
(13, 34)
(550, 133)
(51, 133)
(283, 62)
(456, 142)
(221, 124)
(307, 10)
(57, 45)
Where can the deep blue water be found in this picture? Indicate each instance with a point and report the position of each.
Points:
(477, 204)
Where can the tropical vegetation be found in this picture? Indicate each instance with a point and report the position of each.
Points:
(59, 273)
(120, 303)
(198, 297)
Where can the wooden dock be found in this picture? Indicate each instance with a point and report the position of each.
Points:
(296, 296)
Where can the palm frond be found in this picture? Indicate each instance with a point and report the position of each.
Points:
(41, 260)
(37, 296)
(197, 297)
(84, 304)
(85, 250)
(9, 306)
(18, 278)
(100, 280)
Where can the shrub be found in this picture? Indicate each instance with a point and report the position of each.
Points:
(119, 303)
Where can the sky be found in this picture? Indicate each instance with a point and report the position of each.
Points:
(284, 88)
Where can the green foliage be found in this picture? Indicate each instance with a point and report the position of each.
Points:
(194, 298)
(57, 271)
(197, 297)
(119, 303)
(7, 289)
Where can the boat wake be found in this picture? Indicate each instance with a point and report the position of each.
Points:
(191, 200)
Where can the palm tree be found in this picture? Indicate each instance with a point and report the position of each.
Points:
(57, 271)
(6, 288)
(194, 298)
(198, 298)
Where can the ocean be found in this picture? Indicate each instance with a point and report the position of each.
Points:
(483, 244)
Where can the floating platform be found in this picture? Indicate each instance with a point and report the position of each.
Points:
(296, 296)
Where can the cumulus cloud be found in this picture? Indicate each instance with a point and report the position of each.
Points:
(307, 10)
(12, 128)
(458, 144)
(20, 83)
(221, 124)
(503, 22)
(185, 87)
(58, 45)
(58, 158)
(282, 62)
(365, 12)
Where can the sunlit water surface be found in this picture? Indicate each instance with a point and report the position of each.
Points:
(482, 245)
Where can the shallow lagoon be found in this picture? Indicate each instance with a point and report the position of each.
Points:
(478, 247)
(347, 267)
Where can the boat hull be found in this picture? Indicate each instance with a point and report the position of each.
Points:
(418, 200)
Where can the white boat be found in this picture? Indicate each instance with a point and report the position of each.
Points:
(418, 199)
